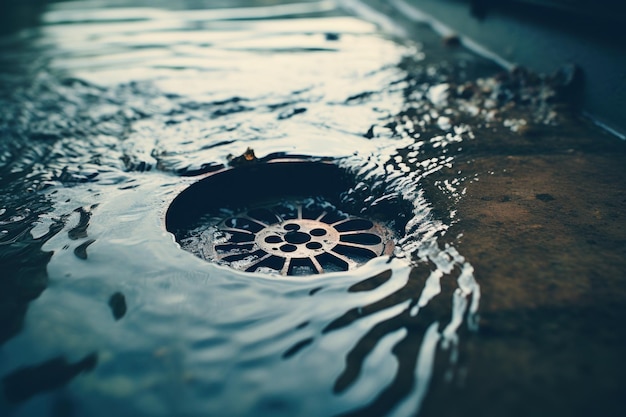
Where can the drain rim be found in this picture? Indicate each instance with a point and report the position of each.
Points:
(239, 185)
(319, 177)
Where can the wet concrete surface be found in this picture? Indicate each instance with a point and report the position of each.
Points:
(545, 232)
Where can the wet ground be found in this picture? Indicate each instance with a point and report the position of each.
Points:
(505, 294)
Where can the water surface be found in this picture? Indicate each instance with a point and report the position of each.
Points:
(110, 111)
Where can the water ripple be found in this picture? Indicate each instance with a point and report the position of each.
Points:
(126, 106)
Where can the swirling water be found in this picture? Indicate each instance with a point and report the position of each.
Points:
(110, 111)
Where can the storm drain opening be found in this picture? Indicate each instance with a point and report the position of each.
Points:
(277, 218)
(296, 238)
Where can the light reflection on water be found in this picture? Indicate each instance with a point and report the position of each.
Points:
(127, 100)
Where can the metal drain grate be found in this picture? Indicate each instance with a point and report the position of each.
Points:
(281, 216)
(296, 238)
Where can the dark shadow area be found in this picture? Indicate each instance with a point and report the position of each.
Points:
(23, 261)
(17, 15)
(251, 183)
(27, 382)
(598, 15)
(542, 362)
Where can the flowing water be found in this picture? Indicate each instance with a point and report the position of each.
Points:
(109, 111)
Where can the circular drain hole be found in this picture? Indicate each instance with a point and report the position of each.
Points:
(297, 237)
(307, 236)
(288, 248)
(254, 219)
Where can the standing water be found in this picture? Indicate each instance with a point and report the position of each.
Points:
(109, 112)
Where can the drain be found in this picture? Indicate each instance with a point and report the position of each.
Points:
(295, 238)
(256, 219)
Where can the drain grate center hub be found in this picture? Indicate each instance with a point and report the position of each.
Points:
(298, 241)
(297, 237)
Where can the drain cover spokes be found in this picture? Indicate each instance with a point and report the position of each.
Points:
(298, 238)
(253, 218)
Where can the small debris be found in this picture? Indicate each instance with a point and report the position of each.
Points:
(331, 36)
(516, 125)
(117, 302)
(245, 158)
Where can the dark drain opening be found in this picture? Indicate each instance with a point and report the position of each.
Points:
(280, 217)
